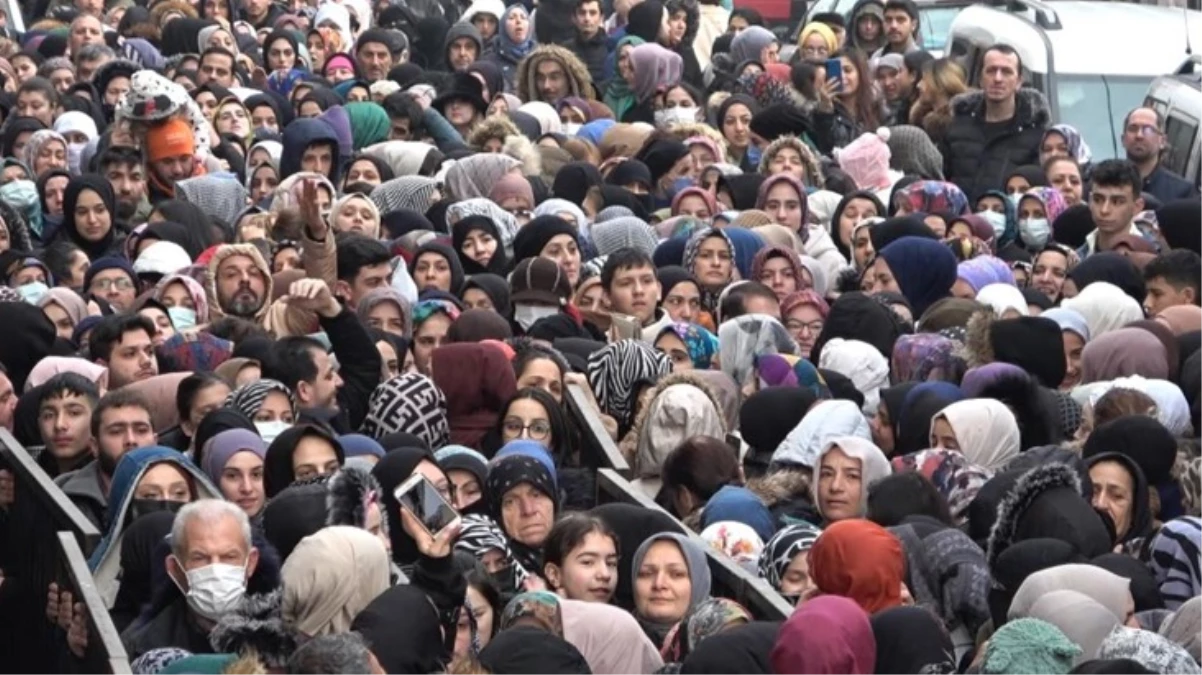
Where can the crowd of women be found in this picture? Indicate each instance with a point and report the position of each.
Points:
(898, 348)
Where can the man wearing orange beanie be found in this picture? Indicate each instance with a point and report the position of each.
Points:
(170, 157)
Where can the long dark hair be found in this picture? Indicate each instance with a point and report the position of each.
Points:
(866, 113)
(563, 442)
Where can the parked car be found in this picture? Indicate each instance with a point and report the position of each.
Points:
(1178, 99)
(1093, 60)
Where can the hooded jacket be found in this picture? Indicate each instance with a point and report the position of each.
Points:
(299, 136)
(83, 488)
(460, 30)
(976, 162)
(579, 82)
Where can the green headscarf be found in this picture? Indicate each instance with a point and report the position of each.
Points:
(619, 96)
(369, 123)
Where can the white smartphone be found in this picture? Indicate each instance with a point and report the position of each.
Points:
(418, 496)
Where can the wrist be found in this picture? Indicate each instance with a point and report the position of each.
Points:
(331, 309)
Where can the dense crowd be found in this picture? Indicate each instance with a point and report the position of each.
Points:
(901, 348)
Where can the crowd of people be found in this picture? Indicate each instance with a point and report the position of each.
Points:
(902, 348)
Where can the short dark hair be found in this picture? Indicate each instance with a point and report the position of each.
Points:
(623, 259)
(222, 51)
(118, 398)
(356, 252)
(732, 304)
(69, 384)
(1117, 173)
(292, 360)
(57, 255)
(1180, 268)
(894, 498)
(1159, 117)
(235, 329)
(829, 18)
(906, 6)
(915, 60)
(570, 531)
(402, 105)
(190, 387)
(41, 85)
(702, 465)
(1007, 50)
(582, 3)
(112, 329)
(119, 154)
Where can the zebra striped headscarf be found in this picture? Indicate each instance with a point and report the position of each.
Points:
(616, 371)
(249, 397)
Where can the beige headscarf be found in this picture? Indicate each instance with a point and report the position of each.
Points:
(986, 430)
(1103, 587)
(159, 393)
(330, 577)
(609, 639)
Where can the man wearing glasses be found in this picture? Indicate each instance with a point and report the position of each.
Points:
(1143, 138)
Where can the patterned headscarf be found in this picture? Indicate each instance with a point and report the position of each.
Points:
(1077, 147)
(413, 193)
(747, 337)
(780, 550)
(916, 357)
(412, 404)
(616, 372)
(710, 617)
(957, 479)
(701, 343)
(248, 398)
(1051, 198)
(428, 308)
(506, 225)
(478, 534)
(787, 370)
(934, 196)
(737, 541)
(541, 607)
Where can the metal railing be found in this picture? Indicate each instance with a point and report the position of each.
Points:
(44, 539)
(613, 485)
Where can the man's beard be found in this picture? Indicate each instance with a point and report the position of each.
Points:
(244, 304)
(127, 209)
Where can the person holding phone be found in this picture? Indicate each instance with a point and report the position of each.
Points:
(846, 104)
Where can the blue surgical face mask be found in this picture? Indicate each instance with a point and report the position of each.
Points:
(996, 220)
(33, 292)
(182, 317)
(269, 431)
(1035, 232)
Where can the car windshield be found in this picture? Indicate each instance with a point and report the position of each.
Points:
(1096, 105)
(936, 23)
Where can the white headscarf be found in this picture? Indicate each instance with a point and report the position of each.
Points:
(985, 430)
(826, 420)
(1105, 308)
(873, 465)
(1002, 298)
(862, 364)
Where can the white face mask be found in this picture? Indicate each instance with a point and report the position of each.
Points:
(74, 155)
(269, 431)
(527, 315)
(214, 590)
(1035, 232)
(997, 221)
(570, 128)
(669, 116)
(182, 317)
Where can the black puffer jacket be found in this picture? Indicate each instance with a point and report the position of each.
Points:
(975, 163)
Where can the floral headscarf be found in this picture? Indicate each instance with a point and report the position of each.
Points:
(933, 196)
(1051, 198)
(428, 308)
(541, 607)
(916, 357)
(1078, 149)
(710, 617)
(701, 343)
(957, 479)
(788, 370)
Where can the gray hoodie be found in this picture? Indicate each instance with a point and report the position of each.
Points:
(83, 488)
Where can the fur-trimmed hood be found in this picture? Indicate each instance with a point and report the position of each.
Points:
(630, 445)
(523, 149)
(499, 127)
(813, 171)
(1046, 502)
(978, 348)
(579, 82)
(780, 486)
(257, 624)
(1030, 107)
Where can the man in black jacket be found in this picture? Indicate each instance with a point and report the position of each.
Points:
(589, 45)
(1144, 141)
(996, 129)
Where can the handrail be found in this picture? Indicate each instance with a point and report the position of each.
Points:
(104, 642)
(65, 513)
(750, 591)
(599, 445)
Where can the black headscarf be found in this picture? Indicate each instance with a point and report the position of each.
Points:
(498, 264)
(766, 417)
(911, 640)
(397, 224)
(495, 287)
(527, 649)
(1144, 587)
(1111, 267)
(745, 648)
(402, 629)
(28, 337)
(912, 420)
(644, 20)
(838, 213)
(447, 254)
(857, 316)
(633, 525)
(15, 127)
(535, 234)
(277, 465)
(215, 422)
(883, 234)
(1143, 439)
(396, 466)
(893, 398)
(138, 564)
(101, 186)
(574, 179)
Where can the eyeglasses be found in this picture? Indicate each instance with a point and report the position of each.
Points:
(538, 429)
(108, 284)
(814, 327)
(1142, 130)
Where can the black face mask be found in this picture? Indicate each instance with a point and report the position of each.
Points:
(506, 580)
(141, 507)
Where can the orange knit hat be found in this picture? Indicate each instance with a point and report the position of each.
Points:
(170, 139)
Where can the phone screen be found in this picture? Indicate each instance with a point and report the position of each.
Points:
(422, 500)
(834, 72)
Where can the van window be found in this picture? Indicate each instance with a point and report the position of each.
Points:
(1096, 106)
(1179, 132)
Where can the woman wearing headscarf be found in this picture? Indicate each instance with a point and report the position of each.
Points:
(1038, 208)
(926, 356)
(404, 631)
(139, 564)
(784, 562)
(233, 460)
(1105, 308)
(917, 410)
(619, 373)
(923, 270)
(744, 339)
(609, 638)
(524, 500)
(478, 243)
(477, 380)
(911, 640)
(710, 618)
(827, 634)
(515, 39)
(653, 71)
(709, 255)
(317, 602)
(845, 468)
(671, 578)
(1175, 559)
(680, 407)
(859, 560)
(89, 216)
(1122, 353)
(984, 430)
(387, 310)
(357, 214)
(65, 309)
(862, 364)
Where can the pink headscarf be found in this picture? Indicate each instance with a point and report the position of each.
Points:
(54, 365)
(827, 634)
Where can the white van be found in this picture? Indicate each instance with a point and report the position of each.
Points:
(1178, 99)
(1093, 60)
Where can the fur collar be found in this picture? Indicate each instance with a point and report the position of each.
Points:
(1030, 107)
(780, 486)
(257, 624)
(629, 445)
(978, 347)
(1029, 487)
